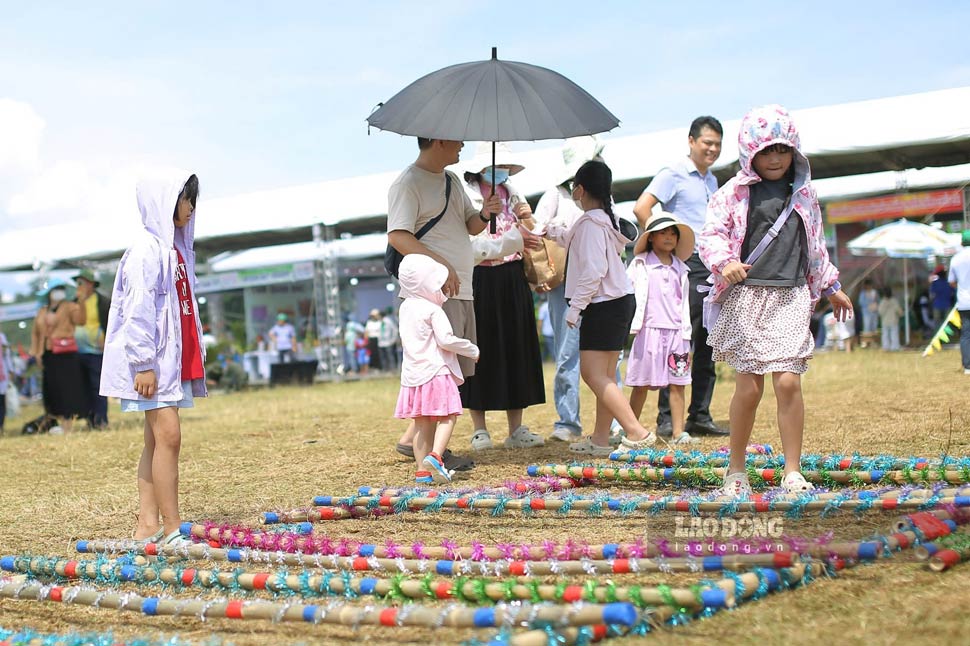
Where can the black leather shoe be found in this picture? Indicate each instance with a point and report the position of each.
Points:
(665, 429)
(705, 428)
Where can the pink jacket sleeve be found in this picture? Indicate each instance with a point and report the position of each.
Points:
(587, 249)
(714, 242)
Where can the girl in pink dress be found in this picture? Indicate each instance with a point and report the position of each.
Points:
(430, 374)
(660, 355)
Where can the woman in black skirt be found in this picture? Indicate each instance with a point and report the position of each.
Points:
(508, 376)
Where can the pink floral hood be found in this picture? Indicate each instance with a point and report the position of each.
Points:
(727, 213)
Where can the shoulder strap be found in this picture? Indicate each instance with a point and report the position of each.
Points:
(428, 225)
(772, 233)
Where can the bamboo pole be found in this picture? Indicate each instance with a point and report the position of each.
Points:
(451, 616)
(714, 475)
(664, 458)
(643, 504)
(443, 589)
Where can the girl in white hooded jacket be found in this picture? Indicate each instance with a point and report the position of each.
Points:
(430, 373)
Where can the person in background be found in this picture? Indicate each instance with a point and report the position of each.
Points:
(362, 353)
(869, 304)
(890, 311)
(508, 377)
(55, 349)
(4, 379)
(372, 329)
(941, 296)
(283, 337)
(90, 344)
(387, 341)
(684, 189)
(351, 330)
(959, 278)
(547, 332)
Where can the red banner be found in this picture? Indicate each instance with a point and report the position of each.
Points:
(904, 205)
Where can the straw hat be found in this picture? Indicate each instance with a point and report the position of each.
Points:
(659, 222)
(504, 158)
(576, 152)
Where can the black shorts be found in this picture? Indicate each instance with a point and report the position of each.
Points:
(606, 325)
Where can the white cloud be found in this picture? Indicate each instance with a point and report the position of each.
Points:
(21, 129)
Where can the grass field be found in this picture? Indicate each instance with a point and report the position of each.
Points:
(274, 449)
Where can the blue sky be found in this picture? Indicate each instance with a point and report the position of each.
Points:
(258, 95)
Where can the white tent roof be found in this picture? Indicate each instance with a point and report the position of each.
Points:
(944, 116)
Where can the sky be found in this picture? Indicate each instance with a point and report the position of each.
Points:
(259, 95)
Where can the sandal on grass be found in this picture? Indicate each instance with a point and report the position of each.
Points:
(586, 447)
(627, 445)
(735, 486)
(795, 482)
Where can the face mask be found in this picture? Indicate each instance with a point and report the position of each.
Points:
(501, 175)
(577, 202)
(58, 295)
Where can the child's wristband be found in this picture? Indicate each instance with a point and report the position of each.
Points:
(834, 287)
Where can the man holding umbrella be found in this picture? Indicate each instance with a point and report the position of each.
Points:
(415, 198)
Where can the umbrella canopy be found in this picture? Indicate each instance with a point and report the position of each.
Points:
(493, 100)
(905, 239)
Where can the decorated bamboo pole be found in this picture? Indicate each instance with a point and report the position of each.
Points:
(665, 458)
(451, 616)
(642, 504)
(465, 590)
(750, 582)
(714, 475)
(549, 484)
(314, 547)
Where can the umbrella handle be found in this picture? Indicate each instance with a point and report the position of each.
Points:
(491, 219)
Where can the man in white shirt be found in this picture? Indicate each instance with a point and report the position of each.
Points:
(283, 336)
(684, 188)
(959, 277)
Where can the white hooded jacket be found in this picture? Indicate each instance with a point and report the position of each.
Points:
(144, 330)
(428, 339)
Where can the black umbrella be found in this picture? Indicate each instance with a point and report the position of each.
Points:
(493, 100)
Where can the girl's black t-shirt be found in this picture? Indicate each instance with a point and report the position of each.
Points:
(785, 262)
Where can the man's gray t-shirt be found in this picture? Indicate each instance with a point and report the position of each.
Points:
(785, 262)
(418, 196)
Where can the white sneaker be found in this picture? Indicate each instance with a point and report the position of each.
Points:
(966, 371)
(481, 440)
(563, 434)
(522, 438)
(56, 430)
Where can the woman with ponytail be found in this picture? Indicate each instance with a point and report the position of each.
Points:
(601, 304)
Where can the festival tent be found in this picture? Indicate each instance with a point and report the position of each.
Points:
(846, 139)
(908, 241)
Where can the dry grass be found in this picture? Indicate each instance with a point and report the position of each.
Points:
(276, 448)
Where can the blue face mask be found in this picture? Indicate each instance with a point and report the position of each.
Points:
(501, 175)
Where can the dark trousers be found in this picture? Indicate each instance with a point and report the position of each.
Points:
(702, 375)
(91, 372)
(965, 338)
(3, 408)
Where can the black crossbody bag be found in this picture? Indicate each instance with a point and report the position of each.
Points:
(393, 257)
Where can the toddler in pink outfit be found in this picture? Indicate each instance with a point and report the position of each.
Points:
(430, 374)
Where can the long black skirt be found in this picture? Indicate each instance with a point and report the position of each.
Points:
(508, 375)
(63, 385)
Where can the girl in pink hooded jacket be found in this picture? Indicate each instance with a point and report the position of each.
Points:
(153, 358)
(763, 325)
(598, 290)
(430, 373)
